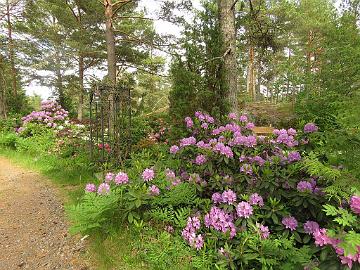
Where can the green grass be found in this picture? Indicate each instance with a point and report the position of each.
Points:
(70, 178)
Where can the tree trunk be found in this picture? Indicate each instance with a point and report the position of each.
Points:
(81, 88)
(59, 80)
(251, 76)
(228, 33)
(110, 42)
(2, 91)
(11, 50)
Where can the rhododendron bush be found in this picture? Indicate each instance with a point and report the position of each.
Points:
(50, 114)
(248, 201)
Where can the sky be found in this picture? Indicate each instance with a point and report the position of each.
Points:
(161, 27)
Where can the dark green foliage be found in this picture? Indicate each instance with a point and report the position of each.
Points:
(196, 77)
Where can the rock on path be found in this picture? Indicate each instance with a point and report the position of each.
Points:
(33, 231)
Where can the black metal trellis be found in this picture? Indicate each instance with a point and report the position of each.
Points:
(110, 123)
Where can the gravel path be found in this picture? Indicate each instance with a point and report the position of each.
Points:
(33, 231)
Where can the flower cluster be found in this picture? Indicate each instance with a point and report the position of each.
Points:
(310, 128)
(189, 233)
(148, 174)
(227, 196)
(244, 209)
(290, 223)
(104, 188)
(286, 137)
(220, 221)
(256, 199)
(51, 114)
(263, 230)
(322, 239)
(355, 204)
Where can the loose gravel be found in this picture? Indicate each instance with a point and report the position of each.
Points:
(33, 230)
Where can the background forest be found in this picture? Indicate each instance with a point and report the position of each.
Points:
(223, 67)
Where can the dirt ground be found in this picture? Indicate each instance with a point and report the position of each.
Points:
(33, 231)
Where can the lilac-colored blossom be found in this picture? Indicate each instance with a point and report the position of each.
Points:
(189, 122)
(170, 174)
(229, 196)
(154, 190)
(109, 177)
(205, 125)
(291, 132)
(148, 174)
(220, 221)
(244, 209)
(256, 199)
(200, 159)
(355, 204)
(250, 125)
(293, 156)
(243, 118)
(121, 178)
(263, 230)
(90, 187)
(304, 186)
(216, 198)
(174, 149)
(310, 128)
(232, 116)
(103, 189)
(311, 227)
(187, 141)
(289, 223)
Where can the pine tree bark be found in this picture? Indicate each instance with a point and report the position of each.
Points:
(2, 91)
(228, 33)
(59, 79)
(251, 74)
(81, 88)
(11, 49)
(110, 42)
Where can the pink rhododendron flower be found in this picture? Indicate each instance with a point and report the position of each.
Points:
(170, 174)
(154, 190)
(103, 189)
(205, 125)
(355, 204)
(293, 156)
(121, 178)
(304, 186)
(244, 209)
(263, 230)
(220, 221)
(243, 118)
(109, 177)
(187, 141)
(174, 149)
(148, 175)
(311, 227)
(232, 116)
(200, 159)
(256, 199)
(250, 125)
(216, 198)
(289, 223)
(229, 196)
(310, 128)
(189, 122)
(90, 187)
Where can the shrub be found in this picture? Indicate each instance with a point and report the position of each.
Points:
(242, 201)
